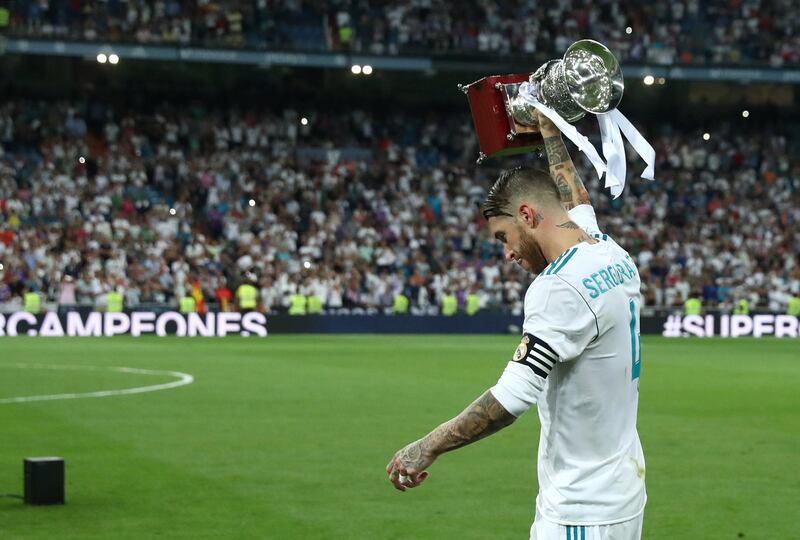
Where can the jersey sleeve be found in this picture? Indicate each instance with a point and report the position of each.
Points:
(558, 327)
(584, 217)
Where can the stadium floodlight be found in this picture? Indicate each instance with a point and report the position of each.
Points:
(172, 211)
(113, 59)
(356, 69)
(102, 58)
(367, 70)
(648, 80)
(304, 121)
(706, 136)
(251, 202)
(81, 160)
(629, 30)
(745, 113)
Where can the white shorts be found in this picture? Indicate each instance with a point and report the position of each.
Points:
(542, 529)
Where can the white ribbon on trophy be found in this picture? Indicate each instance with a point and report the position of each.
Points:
(611, 123)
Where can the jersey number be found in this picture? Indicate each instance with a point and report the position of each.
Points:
(636, 346)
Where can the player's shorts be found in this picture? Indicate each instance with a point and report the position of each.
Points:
(542, 529)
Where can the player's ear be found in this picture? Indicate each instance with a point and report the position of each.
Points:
(528, 216)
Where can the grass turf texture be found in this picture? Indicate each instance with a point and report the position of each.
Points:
(287, 437)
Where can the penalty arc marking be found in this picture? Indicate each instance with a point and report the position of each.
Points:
(182, 379)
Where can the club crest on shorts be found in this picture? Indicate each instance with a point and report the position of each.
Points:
(522, 349)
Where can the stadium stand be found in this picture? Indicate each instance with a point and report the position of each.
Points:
(354, 207)
(757, 32)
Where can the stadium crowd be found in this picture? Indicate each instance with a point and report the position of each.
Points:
(761, 32)
(181, 200)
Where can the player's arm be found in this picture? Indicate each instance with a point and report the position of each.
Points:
(562, 169)
(482, 418)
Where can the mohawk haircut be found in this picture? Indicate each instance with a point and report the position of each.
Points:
(517, 183)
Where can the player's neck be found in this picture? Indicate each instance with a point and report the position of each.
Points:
(559, 240)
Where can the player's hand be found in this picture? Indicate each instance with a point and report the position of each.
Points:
(407, 467)
(546, 126)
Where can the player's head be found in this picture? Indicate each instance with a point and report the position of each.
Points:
(517, 204)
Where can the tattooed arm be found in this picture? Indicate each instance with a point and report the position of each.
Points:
(562, 169)
(482, 418)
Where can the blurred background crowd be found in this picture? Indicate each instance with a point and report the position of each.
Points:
(354, 207)
(680, 32)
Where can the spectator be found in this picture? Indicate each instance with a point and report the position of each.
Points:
(761, 32)
(161, 209)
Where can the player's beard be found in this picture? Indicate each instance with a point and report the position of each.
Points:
(531, 253)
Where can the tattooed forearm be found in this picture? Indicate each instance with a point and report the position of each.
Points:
(570, 186)
(482, 418)
(556, 151)
(485, 416)
(563, 187)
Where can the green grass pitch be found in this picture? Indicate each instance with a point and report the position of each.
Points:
(288, 437)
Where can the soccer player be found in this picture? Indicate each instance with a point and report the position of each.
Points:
(578, 360)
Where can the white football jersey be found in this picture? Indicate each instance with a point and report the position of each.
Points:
(579, 362)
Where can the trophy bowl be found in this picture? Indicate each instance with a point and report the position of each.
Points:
(593, 76)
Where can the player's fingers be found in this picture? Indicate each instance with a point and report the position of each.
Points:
(394, 478)
(419, 477)
(395, 465)
(398, 484)
(416, 480)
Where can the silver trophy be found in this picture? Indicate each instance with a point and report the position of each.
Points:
(587, 79)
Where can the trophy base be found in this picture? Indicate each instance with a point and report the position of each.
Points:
(491, 101)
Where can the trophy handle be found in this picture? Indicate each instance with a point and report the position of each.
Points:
(521, 117)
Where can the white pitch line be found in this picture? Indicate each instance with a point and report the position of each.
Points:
(183, 379)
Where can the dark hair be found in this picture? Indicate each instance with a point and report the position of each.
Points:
(515, 183)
